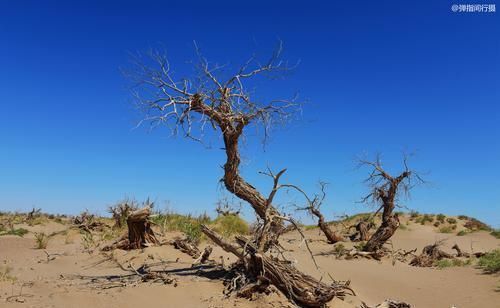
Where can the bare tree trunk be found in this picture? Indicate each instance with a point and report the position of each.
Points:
(389, 225)
(362, 227)
(331, 236)
(140, 233)
(232, 179)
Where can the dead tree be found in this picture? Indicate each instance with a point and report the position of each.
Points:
(121, 211)
(190, 105)
(33, 214)
(385, 190)
(430, 254)
(362, 228)
(313, 207)
(88, 222)
(139, 233)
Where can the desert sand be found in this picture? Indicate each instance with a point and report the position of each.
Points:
(51, 277)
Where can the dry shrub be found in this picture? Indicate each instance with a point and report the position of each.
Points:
(41, 240)
(445, 229)
(451, 220)
(5, 273)
(474, 224)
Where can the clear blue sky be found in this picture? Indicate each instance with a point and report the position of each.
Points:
(379, 76)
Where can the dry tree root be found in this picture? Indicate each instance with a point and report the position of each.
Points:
(186, 247)
(460, 253)
(135, 276)
(191, 249)
(258, 270)
(388, 303)
(140, 234)
(88, 222)
(430, 254)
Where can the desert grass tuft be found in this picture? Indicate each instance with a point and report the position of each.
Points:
(41, 240)
(5, 273)
(490, 262)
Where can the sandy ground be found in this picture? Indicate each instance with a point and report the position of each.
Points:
(36, 282)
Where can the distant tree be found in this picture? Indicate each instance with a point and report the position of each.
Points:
(385, 191)
(313, 207)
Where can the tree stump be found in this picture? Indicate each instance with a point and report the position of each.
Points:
(140, 233)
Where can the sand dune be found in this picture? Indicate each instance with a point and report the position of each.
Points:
(36, 282)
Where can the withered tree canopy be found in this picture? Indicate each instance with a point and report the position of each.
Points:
(214, 99)
(385, 190)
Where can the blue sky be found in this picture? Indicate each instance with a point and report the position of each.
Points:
(379, 76)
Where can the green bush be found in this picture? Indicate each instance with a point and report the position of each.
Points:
(339, 249)
(496, 233)
(451, 220)
(445, 229)
(360, 246)
(462, 233)
(230, 225)
(463, 217)
(437, 223)
(414, 214)
(425, 218)
(443, 263)
(440, 218)
(19, 232)
(310, 227)
(490, 262)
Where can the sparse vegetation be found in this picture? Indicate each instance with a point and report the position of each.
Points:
(490, 262)
(496, 233)
(474, 224)
(88, 241)
(41, 240)
(463, 217)
(462, 233)
(5, 273)
(339, 249)
(18, 232)
(414, 214)
(226, 225)
(424, 219)
(440, 218)
(451, 220)
(445, 229)
(444, 263)
(230, 225)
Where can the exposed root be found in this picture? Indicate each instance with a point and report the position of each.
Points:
(88, 222)
(186, 247)
(388, 303)
(258, 270)
(430, 254)
(203, 258)
(139, 235)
